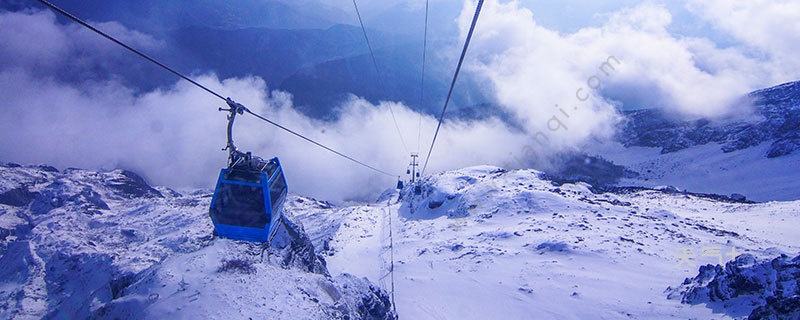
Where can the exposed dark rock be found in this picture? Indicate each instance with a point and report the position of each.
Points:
(738, 197)
(51, 197)
(295, 249)
(552, 247)
(594, 170)
(433, 204)
(131, 185)
(45, 168)
(367, 300)
(667, 189)
(92, 198)
(119, 284)
(777, 279)
(18, 197)
(237, 265)
(785, 145)
(130, 233)
(778, 309)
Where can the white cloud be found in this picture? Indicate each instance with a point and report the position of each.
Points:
(771, 26)
(174, 136)
(18, 31)
(532, 68)
(34, 41)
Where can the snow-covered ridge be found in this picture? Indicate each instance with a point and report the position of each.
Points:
(86, 244)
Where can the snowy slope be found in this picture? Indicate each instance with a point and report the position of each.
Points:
(479, 243)
(752, 152)
(84, 244)
(707, 169)
(483, 243)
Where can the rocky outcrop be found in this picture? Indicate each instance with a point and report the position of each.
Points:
(778, 309)
(293, 247)
(362, 300)
(594, 170)
(787, 144)
(772, 284)
(131, 185)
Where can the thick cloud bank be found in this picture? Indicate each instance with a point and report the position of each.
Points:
(174, 135)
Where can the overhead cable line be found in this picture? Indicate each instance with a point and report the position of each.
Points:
(81, 22)
(422, 81)
(380, 78)
(227, 100)
(453, 83)
(318, 144)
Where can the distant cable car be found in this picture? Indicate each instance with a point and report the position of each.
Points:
(414, 173)
(399, 184)
(249, 196)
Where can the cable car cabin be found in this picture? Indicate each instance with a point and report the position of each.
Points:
(248, 202)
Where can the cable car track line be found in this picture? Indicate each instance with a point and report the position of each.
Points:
(388, 213)
(319, 144)
(422, 81)
(380, 78)
(453, 83)
(154, 61)
(81, 22)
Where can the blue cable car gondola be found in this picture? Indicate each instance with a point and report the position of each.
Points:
(249, 196)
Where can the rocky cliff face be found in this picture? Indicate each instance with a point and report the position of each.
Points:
(85, 244)
(777, 121)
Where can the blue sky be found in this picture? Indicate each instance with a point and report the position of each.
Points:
(566, 15)
(571, 15)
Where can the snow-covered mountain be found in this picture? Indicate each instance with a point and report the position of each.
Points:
(81, 244)
(483, 243)
(753, 155)
(776, 120)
